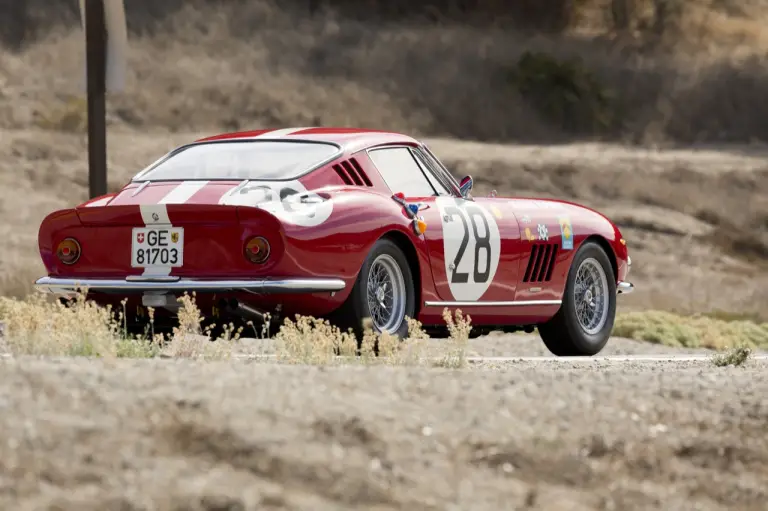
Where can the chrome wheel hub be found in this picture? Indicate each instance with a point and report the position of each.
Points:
(591, 298)
(386, 294)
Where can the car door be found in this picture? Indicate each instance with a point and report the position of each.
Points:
(472, 244)
(477, 244)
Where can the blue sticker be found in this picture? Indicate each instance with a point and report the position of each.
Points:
(413, 209)
(566, 231)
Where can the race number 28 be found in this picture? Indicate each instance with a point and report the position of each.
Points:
(467, 217)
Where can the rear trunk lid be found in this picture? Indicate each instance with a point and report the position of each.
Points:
(162, 229)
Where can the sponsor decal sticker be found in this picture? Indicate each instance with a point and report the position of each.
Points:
(529, 235)
(496, 212)
(566, 231)
(543, 232)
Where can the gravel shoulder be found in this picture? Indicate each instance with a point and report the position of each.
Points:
(176, 434)
(498, 344)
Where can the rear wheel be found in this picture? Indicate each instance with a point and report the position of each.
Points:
(584, 322)
(383, 291)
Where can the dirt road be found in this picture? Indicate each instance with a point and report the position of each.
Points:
(171, 435)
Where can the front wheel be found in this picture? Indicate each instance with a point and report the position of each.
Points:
(584, 322)
(383, 291)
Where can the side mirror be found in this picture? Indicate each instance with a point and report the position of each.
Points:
(465, 186)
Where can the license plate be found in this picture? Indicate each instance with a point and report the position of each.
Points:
(157, 247)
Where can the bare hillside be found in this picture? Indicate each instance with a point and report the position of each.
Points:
(498, 77)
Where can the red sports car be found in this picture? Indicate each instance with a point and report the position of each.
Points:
(344, 224)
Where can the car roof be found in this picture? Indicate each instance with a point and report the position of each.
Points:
(350, 139)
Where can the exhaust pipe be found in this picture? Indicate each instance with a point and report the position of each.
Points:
(244, 311)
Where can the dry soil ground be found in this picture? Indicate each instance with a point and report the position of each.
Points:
(79, 434)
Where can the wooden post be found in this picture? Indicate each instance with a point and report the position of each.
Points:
(96, 58)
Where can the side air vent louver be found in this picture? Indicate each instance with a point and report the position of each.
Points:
(352, 173)
(541, 263)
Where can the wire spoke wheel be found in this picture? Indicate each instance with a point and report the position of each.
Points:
(590, 298)
(386, 294)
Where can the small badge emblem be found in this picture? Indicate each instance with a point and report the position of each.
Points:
(140, 237)
(155, 217)
(175, 237)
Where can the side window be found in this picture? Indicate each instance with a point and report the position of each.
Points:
(440, 169)
(431, 173)
(401, 172)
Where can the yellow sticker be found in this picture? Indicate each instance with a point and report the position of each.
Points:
(529, 235)
(496, 212)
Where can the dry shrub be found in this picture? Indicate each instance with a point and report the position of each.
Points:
(459, 328)
(309, 340)
(691, 331)
(36, 326)
(314, 341)
(190, 341)
(71, 116)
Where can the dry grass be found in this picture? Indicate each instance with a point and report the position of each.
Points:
(313, 341)
(691, 331)
(37, 326)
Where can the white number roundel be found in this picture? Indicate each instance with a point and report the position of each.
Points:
(472, 244)
(288, 201)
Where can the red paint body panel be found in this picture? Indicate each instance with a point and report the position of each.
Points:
(216, 228)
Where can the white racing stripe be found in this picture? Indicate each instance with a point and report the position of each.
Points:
(100, 202)
(280, 133)
(183, 192)
(156, 215)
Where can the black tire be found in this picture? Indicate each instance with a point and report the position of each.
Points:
(355, 310)
(564, 335)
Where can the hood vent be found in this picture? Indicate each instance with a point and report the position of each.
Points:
(541, 264)
(352, 173)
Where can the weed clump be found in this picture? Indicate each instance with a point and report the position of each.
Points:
(735, 357)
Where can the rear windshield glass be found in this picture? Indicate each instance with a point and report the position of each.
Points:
(254, 160)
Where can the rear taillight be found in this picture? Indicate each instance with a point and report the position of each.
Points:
(257, 250)
(68, 251)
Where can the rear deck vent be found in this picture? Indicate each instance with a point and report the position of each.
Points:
(352, 173)
(541, 264)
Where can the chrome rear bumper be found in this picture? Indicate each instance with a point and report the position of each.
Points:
(624, 288)
(179, 285)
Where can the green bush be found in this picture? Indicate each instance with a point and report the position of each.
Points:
(565, 92)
